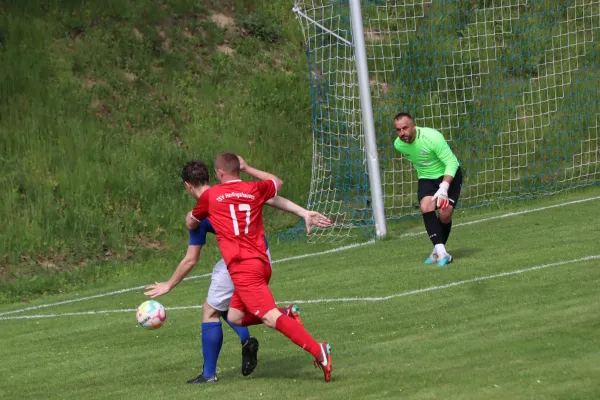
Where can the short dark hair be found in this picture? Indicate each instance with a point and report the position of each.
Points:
(402, 115)
(195, 173)
(228, 162)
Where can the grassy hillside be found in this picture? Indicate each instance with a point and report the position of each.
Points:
(101, 104)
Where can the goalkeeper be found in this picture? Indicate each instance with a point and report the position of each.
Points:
(440, 180)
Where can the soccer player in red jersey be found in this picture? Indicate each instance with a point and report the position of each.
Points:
(234, 208)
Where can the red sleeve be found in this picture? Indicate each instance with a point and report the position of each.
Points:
(200, 212)
(267, 189)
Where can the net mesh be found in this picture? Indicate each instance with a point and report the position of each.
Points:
(512, 85)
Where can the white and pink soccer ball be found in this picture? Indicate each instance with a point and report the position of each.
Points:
(151, 314)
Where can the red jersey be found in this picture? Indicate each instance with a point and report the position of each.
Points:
(235, 211)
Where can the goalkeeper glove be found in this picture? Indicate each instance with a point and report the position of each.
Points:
(442, 195)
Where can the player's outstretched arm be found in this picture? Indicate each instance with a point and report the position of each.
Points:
(258, 174)
(311, 218)
(183, 269)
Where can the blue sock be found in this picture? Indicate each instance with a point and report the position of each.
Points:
(212, 340)
(242, 331)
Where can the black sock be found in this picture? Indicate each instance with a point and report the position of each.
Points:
(433, 227)
(446, 228)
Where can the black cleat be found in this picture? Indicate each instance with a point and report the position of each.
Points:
(202, 379)
(249, 355)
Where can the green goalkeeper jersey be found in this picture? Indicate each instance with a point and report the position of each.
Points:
(429, 153)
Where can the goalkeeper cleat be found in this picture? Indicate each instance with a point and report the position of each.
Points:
(432, 259)
(249, 355)
(293, 311)
(203, 379)
(444, 260)
(325, 364)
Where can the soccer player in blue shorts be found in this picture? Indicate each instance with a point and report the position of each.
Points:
(196, 180)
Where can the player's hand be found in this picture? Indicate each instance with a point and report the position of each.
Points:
(158, 289)
(191, 222)
(313, 218)
(243, 164)
(442, 195)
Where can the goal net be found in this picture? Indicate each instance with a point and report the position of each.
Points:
(512, 85)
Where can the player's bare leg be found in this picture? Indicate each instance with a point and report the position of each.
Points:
(433, 226)
(427, 205)
(235, 316)
(446, 214)
(209, 314)
(271, 317)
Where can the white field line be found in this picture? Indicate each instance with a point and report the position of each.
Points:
(337, 249)
(71, 314)
(337, 300)
(477, 221)
(131, 289)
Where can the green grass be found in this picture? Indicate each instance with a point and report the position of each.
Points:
(102, 104)
(532, 335)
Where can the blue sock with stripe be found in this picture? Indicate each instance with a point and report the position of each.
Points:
(212, 340)
(241, 331)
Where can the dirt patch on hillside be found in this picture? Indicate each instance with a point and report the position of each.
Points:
(222, 20)
(226, 50)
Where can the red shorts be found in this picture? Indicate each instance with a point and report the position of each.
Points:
(251, 282)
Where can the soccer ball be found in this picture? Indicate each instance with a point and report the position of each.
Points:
(151, 314)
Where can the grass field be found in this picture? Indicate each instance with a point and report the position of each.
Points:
(102, 103)
(399, 329)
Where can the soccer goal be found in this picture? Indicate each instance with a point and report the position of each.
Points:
(512, 84)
